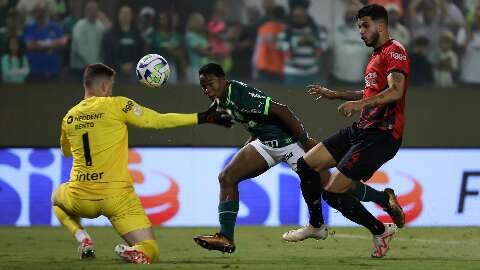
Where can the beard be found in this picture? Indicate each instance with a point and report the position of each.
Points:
(373, 41)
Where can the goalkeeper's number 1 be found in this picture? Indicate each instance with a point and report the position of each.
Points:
(86, 149)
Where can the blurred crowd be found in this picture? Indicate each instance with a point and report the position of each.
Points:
(275, 42)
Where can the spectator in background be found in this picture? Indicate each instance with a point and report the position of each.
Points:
(468, 39)
(425, 21)
(396, 29)
(196, 43)
(268, 59)
(240, 40)
(349, 53)
(5, 6)
(44, 40)
(268, 13)
(430, 18)
(74, 15)
(27, 8)
(217, 37)
(397, 4)
(15, 66)
(470, 6)
(146, 22)
(452, 16)
(87, 37)
(13, 28)
(421, 69)
(445, 61)
(60, 10)
(167, 42)
(303, 44)
(123, 45)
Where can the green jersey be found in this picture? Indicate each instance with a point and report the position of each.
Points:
(249, 106)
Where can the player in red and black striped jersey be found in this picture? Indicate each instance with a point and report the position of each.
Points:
(358, 151)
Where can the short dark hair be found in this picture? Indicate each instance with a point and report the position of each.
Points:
(95, 71)
(212, 69)
(374, 11)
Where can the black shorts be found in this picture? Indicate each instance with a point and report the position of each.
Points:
(359, 152)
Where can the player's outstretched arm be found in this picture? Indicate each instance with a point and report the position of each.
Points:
(283, 114)
(323, 92)
(394, 92)
(143, 117)
(215, 116)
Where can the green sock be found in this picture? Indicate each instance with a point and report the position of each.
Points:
(365, 193)
(227, 214)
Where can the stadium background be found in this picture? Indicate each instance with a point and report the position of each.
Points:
(437, 171)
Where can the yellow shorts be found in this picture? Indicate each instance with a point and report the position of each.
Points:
(125, 211)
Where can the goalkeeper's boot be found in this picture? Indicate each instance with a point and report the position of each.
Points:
(381, 243)
(394, 209)
(305, 232)
(215, 242)
(86, 249)
(132, 255)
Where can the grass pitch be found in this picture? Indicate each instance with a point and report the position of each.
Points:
(257, 248)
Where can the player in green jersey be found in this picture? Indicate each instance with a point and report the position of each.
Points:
(276, 136)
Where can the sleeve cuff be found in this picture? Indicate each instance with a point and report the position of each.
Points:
(397, 70)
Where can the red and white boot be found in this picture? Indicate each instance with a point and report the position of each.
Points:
(381, 243)
(86, 250)
(132, 255)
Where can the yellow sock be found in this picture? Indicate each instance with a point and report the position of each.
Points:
(72, 223)
(150, 248)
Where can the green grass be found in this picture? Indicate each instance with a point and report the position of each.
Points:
(257, 248)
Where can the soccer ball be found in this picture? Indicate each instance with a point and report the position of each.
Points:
(153, 70)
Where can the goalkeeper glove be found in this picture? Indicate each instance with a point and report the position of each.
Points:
(214, 116)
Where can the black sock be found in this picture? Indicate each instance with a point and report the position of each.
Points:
(351, 208)
(311, 191)
(365, 193)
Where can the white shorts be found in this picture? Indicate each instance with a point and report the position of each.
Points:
(289, 154)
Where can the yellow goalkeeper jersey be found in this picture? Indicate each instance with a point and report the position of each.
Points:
(95, 133)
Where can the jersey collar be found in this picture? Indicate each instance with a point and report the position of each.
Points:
(229, 94)
(384, 44)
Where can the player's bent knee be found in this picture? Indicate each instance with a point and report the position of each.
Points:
(54, 197)
(338, 183)
(305, 172)
(319, 158)
(137, 236)
(225, 179)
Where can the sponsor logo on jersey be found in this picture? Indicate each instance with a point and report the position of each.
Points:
(84, 125)
(252, 124)
(88, 176)
(287, 156)
(128, 107)
(137, 110)
(256, 95)
(398, 56)
(92, 116)
(370, 79)
(70, 119)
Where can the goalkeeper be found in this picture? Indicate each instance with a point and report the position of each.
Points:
(94, 133)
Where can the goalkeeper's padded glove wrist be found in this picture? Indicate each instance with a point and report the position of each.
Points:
(202, 118)
(221, 118)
